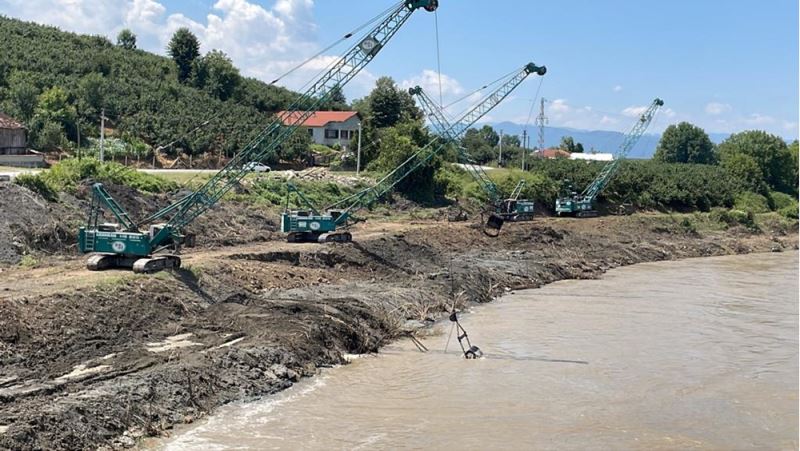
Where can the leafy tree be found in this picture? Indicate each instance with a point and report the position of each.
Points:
(578, 148)
(511, 141)
(685, 143)
(387, 105)
(337, 101)
(216, 74)
(481, 144)
(771, 154)
(92, 91)
(567, 144)
(296, 147)
(793, 151)
(50, 137)
(399, 143)
(745, 170)
(54, 107)
(184, 48)
(24, 98)
(5, 71)
(126, 39)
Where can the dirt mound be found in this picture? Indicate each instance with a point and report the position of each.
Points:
(28, 222)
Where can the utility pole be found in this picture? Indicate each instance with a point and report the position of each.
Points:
(358, 158)
(500, 158)
(102, 135)
(78, 128)
(524, 147)
(541, 121)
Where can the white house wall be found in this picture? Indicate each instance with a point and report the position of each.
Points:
(350, 124)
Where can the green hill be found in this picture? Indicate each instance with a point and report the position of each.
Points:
(56, 81)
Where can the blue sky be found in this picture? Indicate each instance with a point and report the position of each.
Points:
(725, 65)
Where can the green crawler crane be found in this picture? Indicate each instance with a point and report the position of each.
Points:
(151, 244)
(583, 205)
(325, 225)
(502, 209)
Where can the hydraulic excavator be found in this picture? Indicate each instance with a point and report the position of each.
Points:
(583, 205)
(501, 209)
(325, 225)
(152, 244)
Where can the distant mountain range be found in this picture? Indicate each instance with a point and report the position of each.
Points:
(599, 140)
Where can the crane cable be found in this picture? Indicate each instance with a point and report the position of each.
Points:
(438, 57)
(502, 78)
(533, 107)
(342, 39)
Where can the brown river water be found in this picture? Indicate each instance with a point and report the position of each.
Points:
(695, 354)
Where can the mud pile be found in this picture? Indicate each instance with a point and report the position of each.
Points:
(28, 222)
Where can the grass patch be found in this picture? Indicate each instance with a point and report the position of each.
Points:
(28, 262)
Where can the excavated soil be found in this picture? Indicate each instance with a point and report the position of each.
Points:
(103, 363)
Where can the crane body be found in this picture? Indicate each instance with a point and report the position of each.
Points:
(503, 209)
(313, 225)
(583, 205)
(133, 244)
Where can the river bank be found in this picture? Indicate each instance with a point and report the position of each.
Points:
(693, 354)
(101, 360)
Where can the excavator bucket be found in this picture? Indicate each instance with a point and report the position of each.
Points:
(495, 222)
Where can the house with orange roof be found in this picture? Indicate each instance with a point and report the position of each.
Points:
(327, 127)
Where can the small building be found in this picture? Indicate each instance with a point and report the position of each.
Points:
(592, 156)
(14, 145)
(13, 136)
(328, 127)
(552, 153)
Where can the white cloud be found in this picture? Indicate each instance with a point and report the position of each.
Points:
(757, 119)
(559, 106)
(608, 120)
(634, 111)
(429, 81)
(617, 88)
(715, 108)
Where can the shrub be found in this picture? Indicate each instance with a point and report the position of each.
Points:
(68, 174)
(321, 194)
(38, 185)
(790, 212)
(783, 200)
(752, 202)
(688, 226)
(745, 218)
(28, 262)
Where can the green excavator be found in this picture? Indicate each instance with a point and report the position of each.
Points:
(582, 205)
(502, 209)
(313, 224)
(152, 244)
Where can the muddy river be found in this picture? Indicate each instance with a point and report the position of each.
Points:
(697, 354)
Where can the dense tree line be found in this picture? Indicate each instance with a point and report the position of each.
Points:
(58, 83)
